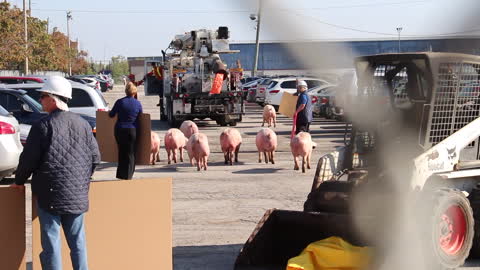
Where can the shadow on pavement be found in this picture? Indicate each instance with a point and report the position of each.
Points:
(258, 171)
(105, 165)
(219, 257)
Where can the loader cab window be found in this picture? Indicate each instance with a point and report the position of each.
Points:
(401, 85)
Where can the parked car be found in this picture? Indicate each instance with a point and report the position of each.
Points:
(278, 86)
(27, 110)
(321, 96)
(19, 79)
(261, 90)
(85, 100)
(252, 91)
(85, 80)
(10, 146)
(246, 87)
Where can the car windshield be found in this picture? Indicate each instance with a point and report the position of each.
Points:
(3, 111)
(251, 83)
(33, 102)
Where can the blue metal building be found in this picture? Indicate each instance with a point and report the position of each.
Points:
(276, 56)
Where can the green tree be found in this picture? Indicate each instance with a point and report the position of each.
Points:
(119, 67)
(45, 51)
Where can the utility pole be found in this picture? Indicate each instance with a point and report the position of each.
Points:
(25, 36)
(257, 45)
(69, 17)
(399, 29)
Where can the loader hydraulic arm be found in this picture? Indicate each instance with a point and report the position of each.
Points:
(444, 156)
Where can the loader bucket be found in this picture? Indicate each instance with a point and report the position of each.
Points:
(282, 234)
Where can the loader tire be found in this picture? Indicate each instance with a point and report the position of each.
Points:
(449, 229)
(474, 199)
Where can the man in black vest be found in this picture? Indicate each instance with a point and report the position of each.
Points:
(61, 155)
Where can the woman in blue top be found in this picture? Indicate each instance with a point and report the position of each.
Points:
(128, 110)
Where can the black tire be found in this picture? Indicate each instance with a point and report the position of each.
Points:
(276, 107)
(449, 229)
(328, 113)
(163, 114)
(233, 123)
(170, 118)
(222, 121)
(474, 199)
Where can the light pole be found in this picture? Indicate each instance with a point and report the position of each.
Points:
(69, 17)
(25, 36)
(257, 44)
(399, 29)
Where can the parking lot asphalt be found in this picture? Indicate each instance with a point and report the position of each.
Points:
(215, 211)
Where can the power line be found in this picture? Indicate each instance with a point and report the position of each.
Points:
(371, 5)
(386, 34)
(233, 11)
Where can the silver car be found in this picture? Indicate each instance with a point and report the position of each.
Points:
(10, 146)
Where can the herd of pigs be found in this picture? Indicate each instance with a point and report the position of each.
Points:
(188, 137)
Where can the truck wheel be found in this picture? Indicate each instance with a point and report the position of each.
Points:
(221, 121)
(163, 114)
(276, 107)
(449, 229)
(233, 123)
(170, 118)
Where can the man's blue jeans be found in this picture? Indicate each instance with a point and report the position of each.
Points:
(73, 226)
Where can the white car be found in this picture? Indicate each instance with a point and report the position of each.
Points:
(85, 100)
(278, 86)
(10, 146)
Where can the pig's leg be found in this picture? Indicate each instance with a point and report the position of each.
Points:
(308, 160)
(265, 156)
(237, 149)
(181, 154)
(198, 163)
(204, 159)
(158, 154)
(225, 156)
(272, 155)
(174, 152)
(303, 164)
(274, 121)
(169, 155)
(259, 156)
(296, 163)
(263, 123)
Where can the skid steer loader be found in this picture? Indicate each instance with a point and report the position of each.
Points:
(407, 176)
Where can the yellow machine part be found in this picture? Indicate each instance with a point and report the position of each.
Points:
(331, 253)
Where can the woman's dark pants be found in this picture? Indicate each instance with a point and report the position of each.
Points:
(126, 140)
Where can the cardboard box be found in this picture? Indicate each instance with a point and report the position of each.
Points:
(288, 104)
(108, 145)
(12, 229)
(128, 226)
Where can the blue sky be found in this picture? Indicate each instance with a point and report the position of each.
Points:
(144, 27)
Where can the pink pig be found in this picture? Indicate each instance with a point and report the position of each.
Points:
(269, 116)
(188, 128)
(230, 141)
(198, 149)
(266, 142)
(155, 148)
(174, 139)
(301, 146)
